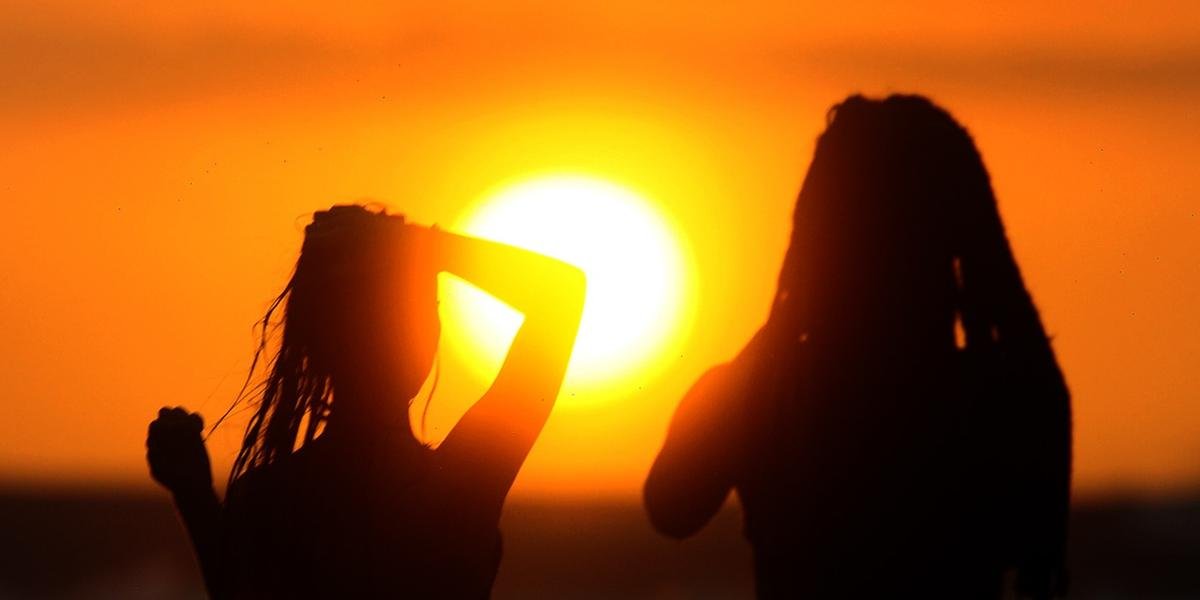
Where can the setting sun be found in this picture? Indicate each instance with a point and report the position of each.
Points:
(634, 260)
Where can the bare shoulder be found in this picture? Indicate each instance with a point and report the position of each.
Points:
(281, 475)
(719, 379)
(716, 395)
(725, 381)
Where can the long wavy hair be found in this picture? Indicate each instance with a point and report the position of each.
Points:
(342, 285)
(898, 190)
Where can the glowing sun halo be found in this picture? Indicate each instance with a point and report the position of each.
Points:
(635, 268)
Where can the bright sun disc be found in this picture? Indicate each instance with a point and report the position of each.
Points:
(633, 261)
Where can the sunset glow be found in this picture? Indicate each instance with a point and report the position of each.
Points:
(163, 158)
(633, 260)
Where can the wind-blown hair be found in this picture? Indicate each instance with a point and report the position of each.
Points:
(898, 190)
(337, 294)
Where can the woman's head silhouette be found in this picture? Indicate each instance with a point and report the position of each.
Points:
(896, 235)
(360, 327)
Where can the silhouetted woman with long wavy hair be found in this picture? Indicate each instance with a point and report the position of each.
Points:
(331, 494)
(899, 427)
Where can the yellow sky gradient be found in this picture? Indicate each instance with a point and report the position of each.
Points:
(159, 164)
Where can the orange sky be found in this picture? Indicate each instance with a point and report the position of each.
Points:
(158, 163)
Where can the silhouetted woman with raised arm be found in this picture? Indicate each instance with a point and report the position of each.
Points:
(899, 427)
(331, 494)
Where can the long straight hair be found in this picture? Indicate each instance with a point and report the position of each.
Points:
(337, 267)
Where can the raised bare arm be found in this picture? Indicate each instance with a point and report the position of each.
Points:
(492, 439)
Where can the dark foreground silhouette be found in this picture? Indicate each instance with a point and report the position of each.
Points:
(87, 542)
(331, 494)
(899, 427)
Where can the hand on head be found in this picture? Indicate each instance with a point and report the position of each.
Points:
(351, 236)
(352, 219)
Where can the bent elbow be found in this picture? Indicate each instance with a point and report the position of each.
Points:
(573, 292)
(575, 284)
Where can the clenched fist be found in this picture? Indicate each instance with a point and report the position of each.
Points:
(176, 454)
